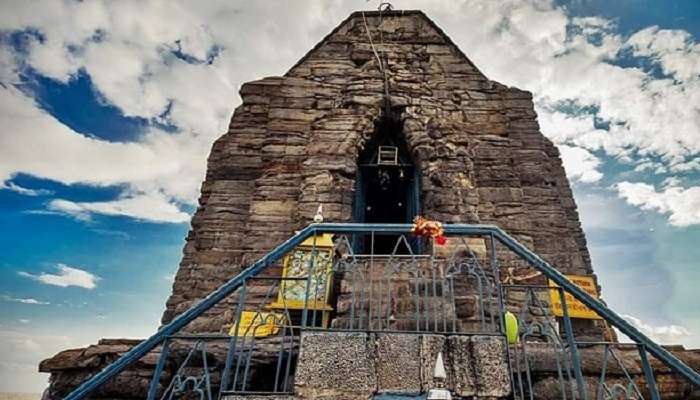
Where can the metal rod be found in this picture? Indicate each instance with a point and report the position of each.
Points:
(205, 366)
(233, 340)
(601, 384)
(573, 350)
(153, 386)
(495, 270)
(630, 381)
(371, 281)
(648, 373)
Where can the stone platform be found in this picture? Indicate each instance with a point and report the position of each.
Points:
(351, 366)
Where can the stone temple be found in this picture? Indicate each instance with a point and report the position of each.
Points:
(384, 119)
(297, 141)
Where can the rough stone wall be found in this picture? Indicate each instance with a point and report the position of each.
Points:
(294, 141)
(399, 364)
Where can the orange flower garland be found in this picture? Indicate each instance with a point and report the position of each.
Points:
(427, 228)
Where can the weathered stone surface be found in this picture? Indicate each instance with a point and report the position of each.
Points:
(69, 368)
(490, 366)
(254, 397)
(335, 365)
(430, 346)
(398, 363)
(461, 364)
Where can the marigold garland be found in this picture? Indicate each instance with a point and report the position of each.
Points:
(427, 228)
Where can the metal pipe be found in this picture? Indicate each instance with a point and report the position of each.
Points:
(648, 373)
(153, 387)
(573, 350)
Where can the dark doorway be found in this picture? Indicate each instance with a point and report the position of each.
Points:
(386, 187)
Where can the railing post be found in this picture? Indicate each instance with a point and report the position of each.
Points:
(153, 386)
(601, 384)
(496, 271)
(573, 349)
(234, 340)
(648, 372)
(497, 280)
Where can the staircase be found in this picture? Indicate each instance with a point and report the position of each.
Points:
(373, 325)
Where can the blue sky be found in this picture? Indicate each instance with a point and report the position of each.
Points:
(108, 111)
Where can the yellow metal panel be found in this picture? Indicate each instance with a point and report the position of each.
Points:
(258, 324)
(322, 240)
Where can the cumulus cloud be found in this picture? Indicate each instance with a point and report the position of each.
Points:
(180, 64)
(28, 300)
(673, 50)
(149, 207)
(681, 204)
(580, 164)
(66, 276)
(160, 170)
(571, 67)
(664, 334)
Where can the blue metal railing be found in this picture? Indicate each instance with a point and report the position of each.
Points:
(496, 235)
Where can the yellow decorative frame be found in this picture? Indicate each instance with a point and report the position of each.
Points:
(323, 267)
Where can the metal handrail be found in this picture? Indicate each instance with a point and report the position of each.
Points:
(508, 241)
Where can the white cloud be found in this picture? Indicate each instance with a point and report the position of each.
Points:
(647, 115)
(567, 128)
(159, 170)
(673, 50)
(580, 164)
(665, 334)
(126, 49)
(8, 66)
(67, 276)
(24, 191)
(682, 204)
(28, 300)
(148, 207)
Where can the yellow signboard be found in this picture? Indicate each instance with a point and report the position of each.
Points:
(576, 308)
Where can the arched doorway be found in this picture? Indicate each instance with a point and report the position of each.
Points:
(386, 188)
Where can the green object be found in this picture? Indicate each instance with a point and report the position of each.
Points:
(511, 327)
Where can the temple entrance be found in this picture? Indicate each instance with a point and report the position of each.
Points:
(386, 187)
